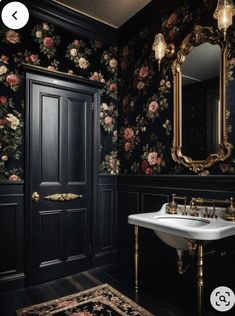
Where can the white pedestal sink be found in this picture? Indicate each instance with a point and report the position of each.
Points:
(174, 229)
(177, 230)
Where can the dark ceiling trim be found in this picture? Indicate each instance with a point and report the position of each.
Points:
(72, 21)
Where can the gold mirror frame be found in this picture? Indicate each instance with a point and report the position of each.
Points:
(199, 36)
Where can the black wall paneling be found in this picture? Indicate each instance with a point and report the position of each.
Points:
(11, 237)
(105, 222)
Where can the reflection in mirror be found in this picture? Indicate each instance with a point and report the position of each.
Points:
(200, 130)
(200, 101)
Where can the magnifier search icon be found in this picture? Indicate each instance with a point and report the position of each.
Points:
(222, 298)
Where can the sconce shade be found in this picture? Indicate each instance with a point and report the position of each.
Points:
(224, 13)
(159, 46)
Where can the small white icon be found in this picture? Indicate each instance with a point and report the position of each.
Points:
(15, 15)
(222, 299)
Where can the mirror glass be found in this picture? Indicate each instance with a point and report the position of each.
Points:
(200, 101)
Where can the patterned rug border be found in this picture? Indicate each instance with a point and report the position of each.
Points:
(141, 310)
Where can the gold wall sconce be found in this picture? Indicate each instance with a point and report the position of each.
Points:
(161, 48)
(224, 13)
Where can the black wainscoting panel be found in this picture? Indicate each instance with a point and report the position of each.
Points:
(153, 201)
(105, 222)
(11, 237)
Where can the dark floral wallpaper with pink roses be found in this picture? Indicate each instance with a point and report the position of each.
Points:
(136, 133)
(146, 95)
(42, 44)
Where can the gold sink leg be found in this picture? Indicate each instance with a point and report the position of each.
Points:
(136, 232)
(200, 282)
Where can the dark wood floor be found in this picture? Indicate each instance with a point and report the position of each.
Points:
(171, 300)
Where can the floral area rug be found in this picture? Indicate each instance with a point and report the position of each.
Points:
(102, 300)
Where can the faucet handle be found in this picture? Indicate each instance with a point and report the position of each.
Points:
(230, 211)
(171, 207)
(194, 209)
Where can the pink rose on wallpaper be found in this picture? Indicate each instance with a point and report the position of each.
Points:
(140, 85)
(164, 82)
(148, 171)
(14, 177)
(34, 58)
(127, 146)
(112, 163)
(3, 100)
(13, 80)
(113, 86)
(115, 133)
(12, 37)
(172, 34)
(232, 61)
(172, 20)
(48, 42)
(51, 68)
(3, 122)
(144, 71)
(76, 42)
(153, 106)
(153, 159)
(108, 120)
(144, 165)
(4, 59)
(95, 76)
(128, 133)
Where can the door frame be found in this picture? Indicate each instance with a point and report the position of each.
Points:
(37, 74)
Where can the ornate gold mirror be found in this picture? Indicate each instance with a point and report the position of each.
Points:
(199, 72)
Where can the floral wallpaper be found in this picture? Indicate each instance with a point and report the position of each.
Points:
(41, 43)
(146, 95)
(136, 98)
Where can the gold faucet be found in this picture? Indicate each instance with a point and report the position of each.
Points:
(229, 214)
(171, 207)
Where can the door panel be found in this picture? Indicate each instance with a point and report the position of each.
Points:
(60, 159)
(76, 142)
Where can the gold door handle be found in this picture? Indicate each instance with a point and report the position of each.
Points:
(61, 197)
(35, 197)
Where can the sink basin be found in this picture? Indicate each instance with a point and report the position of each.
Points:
(174, 230)
(183, 221)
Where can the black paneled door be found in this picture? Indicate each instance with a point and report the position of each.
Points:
(61, 177)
